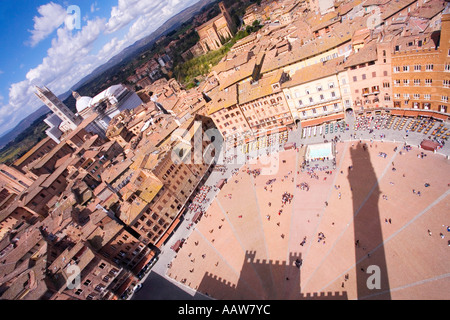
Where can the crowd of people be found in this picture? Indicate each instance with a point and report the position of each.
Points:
(286, 198)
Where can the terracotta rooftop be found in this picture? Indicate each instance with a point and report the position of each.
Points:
(223, 99)
(111, 173)
(365, 54)
(245, 71)
(395, 6)
(315, 71)
(249, 91)
(429, 9)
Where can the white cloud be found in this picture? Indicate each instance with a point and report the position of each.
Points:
(128, 10)
(52, 15)
(70, 56)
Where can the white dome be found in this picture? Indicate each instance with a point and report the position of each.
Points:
(83, 103)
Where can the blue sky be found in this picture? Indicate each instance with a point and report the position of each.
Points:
(43, 46)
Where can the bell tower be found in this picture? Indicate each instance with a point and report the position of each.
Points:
(58, 107)
(227, 16)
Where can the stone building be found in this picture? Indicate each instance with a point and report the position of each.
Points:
(216, 31)
(421, 71)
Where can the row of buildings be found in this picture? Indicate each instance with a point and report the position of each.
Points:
(101, 198)
(357, 56)
(85, 217)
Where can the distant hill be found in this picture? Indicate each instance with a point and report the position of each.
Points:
(171, 24)
(125, 54)
(27, 122)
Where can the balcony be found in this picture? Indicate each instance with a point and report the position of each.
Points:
(375, 89)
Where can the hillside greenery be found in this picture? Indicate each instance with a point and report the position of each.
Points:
(24, 141)
(186, 72)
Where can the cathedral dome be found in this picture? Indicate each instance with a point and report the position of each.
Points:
(83, 103)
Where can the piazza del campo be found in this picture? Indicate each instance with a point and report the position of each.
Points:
(310, 163)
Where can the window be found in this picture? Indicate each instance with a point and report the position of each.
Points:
(396, 69)
(405, 68)
(446, 83)
(406, 82)
(364, 76)
(374, 74)
(428, 82)
(447, 68)
(427, 96)
(417, 67)
(331, 85)
(444, 98)
(429, 67)
(417, 82)
(300, 103)
(386, 84)
(322, 97)
(396, 82)
(333, 94)
(355, 79)
(406, 96)
(385, 73)
(314, 111)
(324, 109)
(416, 96)
(319, 88)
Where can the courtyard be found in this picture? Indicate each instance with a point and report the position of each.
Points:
(366, 212)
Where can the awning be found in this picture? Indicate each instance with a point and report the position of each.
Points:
(398, 112)
(317, 121)
(425, 114)
(411, 113)
(174, 225)
(429, 145)
(162, 240)
(440, 116)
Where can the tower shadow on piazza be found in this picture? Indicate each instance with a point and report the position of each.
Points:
(352, 250)
(281, 280)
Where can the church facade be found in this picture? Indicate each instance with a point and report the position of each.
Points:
(216, 31)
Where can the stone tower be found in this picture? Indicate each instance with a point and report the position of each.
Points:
(227, 16)
(69, 119)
